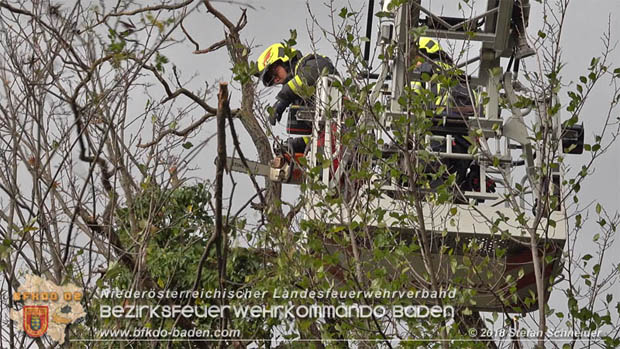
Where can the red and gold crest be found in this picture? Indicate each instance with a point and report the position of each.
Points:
(35, 320)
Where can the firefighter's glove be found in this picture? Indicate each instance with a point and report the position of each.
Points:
(276, 114)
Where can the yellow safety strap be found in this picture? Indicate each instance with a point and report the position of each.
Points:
(440, 93)
(439, 100)
(296, 84)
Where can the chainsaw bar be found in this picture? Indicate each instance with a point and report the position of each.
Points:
(283, 172)
(254, 168)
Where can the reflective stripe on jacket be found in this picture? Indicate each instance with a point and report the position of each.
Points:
(304, 77)
(457, 96)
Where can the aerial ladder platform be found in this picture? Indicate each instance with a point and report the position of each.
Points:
(489, 218)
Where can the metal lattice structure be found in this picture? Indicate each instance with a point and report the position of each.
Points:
(504, 128)
(486, 219)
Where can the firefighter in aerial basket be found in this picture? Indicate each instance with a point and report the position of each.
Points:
(456, 102)
(280, 65)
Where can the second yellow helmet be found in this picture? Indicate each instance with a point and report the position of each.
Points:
(428, 45)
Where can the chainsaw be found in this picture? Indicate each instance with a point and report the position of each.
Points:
(282, 169)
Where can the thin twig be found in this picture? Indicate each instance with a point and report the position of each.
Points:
(189, 36)
(220, 16)
(211, 48)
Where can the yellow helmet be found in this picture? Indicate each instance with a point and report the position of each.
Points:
(428, 45)
(271, 55)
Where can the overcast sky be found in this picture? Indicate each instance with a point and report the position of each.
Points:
(271, 20)
(586, 22)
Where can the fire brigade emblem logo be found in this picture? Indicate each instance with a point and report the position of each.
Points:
(35, 320)
(47, 308)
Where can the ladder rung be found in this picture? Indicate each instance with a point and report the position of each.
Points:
(459, 23)
(447, 34)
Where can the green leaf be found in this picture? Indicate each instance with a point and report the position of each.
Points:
(187, 145)
(29, 229)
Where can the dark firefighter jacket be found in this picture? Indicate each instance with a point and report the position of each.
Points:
(304, 75)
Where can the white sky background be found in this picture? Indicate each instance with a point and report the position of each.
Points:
(586, 21)
(271, 20)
